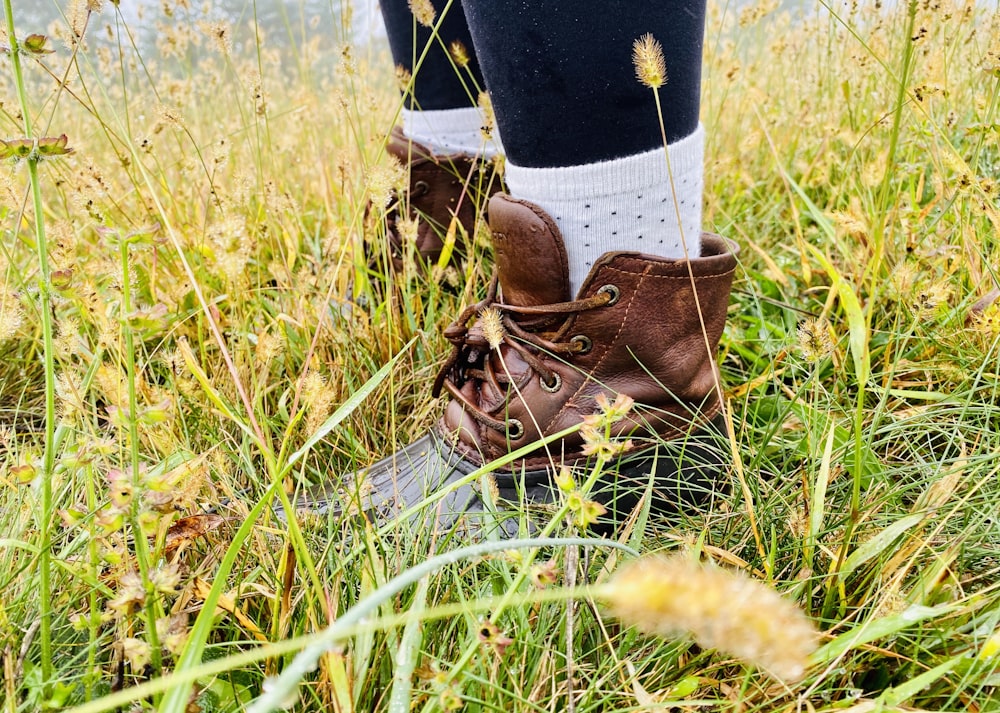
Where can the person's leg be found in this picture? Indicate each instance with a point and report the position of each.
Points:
(440, 107)
(441, 139)
(563, 82)
(581, 133)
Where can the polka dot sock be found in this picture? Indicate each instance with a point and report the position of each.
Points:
(624, 204)
(448, 131)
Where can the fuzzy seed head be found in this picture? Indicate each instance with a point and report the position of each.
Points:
(903, 281)
(933, 297)
(403, 78)
(671, 596)
(383, 181)
(269, 347)
(491, 322)
(11, 316)
(131, 595)
(137, 652)
(221, 35)
(814, 339)
(166, 579)
(650, 67)
(489, 117)
(490, 484)
(987, 320)
(459, 54)
(408, 229)
(170, 116)
(172, 632)
(423, 11)
(318, 398)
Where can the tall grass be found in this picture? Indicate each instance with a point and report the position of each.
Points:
(190, 329)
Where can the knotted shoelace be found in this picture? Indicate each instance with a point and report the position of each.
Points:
(469, 358)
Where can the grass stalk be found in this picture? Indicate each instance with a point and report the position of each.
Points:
(44, 521)
(874, 271)
(151, 605)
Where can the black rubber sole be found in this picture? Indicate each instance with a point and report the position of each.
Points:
(678, 476)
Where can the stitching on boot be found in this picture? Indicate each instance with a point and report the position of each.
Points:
(686, 278)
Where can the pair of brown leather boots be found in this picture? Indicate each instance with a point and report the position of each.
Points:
(626, 368)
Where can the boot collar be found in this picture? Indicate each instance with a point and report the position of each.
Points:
(530, 254)
(533, 269)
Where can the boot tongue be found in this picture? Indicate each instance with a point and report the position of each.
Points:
(529, 253)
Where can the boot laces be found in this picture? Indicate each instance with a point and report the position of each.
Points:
(530, 331)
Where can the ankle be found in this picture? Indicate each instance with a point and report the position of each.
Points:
(640, 203)
(450, 131)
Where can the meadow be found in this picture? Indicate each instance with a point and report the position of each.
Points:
(191, 330)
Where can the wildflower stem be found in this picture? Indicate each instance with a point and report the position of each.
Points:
(93, 673)
(141, 546)
(48, 462)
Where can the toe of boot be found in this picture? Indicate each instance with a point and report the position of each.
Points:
(429, 485)
(426, 483)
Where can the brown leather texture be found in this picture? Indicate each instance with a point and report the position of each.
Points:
(643, 326)
(441, 186)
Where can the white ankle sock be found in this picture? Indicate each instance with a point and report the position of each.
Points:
(447, 131)
(623, 204)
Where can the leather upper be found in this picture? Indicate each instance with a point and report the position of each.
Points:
(643, 326)
(441, 186)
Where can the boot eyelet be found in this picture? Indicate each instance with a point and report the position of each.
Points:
(419, 188)
(613, 294)
(554, 386)
(515, 429)
(583, 343)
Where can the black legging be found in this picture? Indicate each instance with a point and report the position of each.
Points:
(560, 72)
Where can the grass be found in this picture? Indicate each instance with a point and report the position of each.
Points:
(179, 345)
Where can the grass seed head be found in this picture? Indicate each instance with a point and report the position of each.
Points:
(672, 596)
(11, 316)
(814, 340)
(318, 398)
(403, 78)
(383, 181)
(221, 35)
(987, 321)
(459, 53)
(423, 11)
(170, 116)
(491, 322)
(650, 67)
(489, 117)
(933, 298)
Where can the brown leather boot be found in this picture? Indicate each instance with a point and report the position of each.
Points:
(636, 328)
(441, 186)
